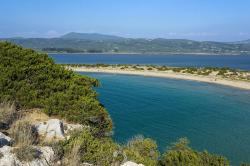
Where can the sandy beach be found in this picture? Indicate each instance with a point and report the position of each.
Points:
(168, 74)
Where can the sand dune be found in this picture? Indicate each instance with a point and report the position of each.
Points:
(168, 74)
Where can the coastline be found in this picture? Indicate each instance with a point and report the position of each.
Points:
(208, 79)
(148, 53)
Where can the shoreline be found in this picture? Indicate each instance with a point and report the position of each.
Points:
(181, 76)
(148, 53)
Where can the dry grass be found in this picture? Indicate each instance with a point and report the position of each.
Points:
(25, 137)
(72, 158)
(23, 133)
(8, 114)
(26, 153)
(35, 115)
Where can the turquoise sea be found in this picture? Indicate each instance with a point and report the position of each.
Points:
(213, 117)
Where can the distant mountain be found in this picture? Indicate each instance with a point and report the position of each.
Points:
(100, 43)
(242, 42)
(91, 36)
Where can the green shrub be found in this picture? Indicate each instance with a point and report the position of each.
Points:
(142, 151)
(177, 69)
(222, 72)
(73, 157)
(58, 149)
(33, 80)
(212, 159)
(181, 154)
(244, 164)
(97, 151)
(150, 68)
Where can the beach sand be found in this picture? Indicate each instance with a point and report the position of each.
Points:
(167, 74)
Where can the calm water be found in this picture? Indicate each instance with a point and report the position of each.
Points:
(239, 62)
(212, 117)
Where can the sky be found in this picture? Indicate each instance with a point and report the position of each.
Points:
(214, 20)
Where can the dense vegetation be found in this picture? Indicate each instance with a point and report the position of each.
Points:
(32, 80)
(181, 154)
(75, 42)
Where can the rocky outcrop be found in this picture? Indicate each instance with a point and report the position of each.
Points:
(55, 129)
(70, 127)
(9, 159)
(130, 163)
(51, 129)
(48, 130)
(4, 140)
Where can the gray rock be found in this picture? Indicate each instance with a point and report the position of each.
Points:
(130, 163)
(52, 129)
(87, 164)
(4, 140)
(9, 159)
(70, 127)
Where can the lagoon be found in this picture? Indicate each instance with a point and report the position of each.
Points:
(212, 117)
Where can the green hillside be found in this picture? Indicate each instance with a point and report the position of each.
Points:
(90, 36)
(33, 80)
(97, 43)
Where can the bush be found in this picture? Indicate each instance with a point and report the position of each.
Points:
(177, 69)
(150, 68)
(181, 154)
(23, 133)
(8, 114)
(33, 80)
(142, 151)
(58, 149)
(244, 164)
(84, 146)
(73, 157)
(26, 153)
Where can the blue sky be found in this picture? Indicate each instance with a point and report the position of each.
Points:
(220, 20)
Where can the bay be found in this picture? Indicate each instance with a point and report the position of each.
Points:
(213, 117)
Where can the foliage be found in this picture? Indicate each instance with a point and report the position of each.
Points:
(73, 158)
(33, 80)
(181, 154)
(142, 150)
(244, 164)
(97, 151)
